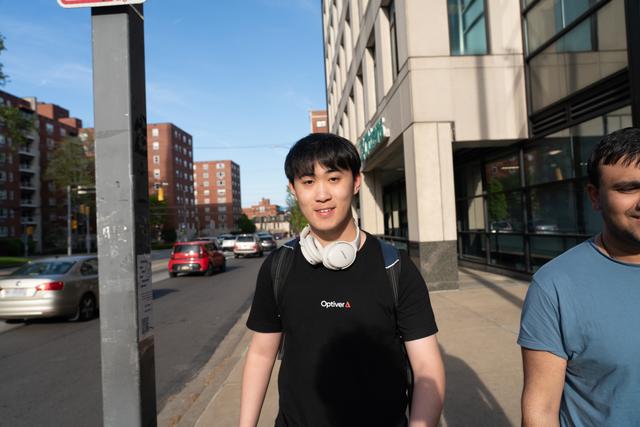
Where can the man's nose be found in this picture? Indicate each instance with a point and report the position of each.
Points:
(322, 192)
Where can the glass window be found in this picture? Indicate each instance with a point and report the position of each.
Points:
(468, 180)
(156, 145)
(471, 214)
(156, 159)
(549, 17)
(473, 244)
(505, 212)
(503, 174)
(467, 28)
(593, 50)
(553, 209)
(154, 132)
(545, 248)
(507, 250)
(549, 161)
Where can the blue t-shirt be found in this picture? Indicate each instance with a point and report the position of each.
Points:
(585, 307)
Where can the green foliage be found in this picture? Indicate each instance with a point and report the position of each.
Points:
(157, 211)
(497, 201)
(70, 165)
(12, 261)
(3, 77)
(246, 225)
(298, 221)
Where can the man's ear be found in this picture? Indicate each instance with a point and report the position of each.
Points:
(293, 191)
(357, 182)
(594, 196)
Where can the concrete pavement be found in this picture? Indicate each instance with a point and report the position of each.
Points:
(478, 329)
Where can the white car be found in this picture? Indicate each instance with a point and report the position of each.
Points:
(228, 241)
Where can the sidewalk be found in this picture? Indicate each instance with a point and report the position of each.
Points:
(478, 330)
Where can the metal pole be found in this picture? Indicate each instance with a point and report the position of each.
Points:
(632, 13)
(122, 201)
(87, 224)
(68, 220)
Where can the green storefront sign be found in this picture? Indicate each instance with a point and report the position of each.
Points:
(372, 138)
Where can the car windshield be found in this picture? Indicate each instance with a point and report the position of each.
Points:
(245, 239)
(265, 239)
(227, 237)
(44, 268)
(183, 249)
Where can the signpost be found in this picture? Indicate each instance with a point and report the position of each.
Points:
(122, 205)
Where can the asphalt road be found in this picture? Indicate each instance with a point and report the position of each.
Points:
(50, 369)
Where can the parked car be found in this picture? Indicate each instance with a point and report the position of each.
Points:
(267, 243)
(227, 242)
(247, 244)
(196, 257)
(52, 287)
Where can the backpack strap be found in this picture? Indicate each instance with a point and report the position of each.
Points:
(392, 266)
(280, 266)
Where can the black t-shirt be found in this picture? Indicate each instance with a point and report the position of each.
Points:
(343, 363)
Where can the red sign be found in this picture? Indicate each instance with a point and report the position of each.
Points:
(96, 3)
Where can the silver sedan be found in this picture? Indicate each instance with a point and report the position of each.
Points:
(52, 287)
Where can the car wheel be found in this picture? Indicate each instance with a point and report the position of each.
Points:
(171, 274)
(209, 270)
(260, 254)
(87, 309)
(223, 267)
(236, 256)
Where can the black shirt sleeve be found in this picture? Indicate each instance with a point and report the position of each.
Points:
(415, 316)
(263, 316)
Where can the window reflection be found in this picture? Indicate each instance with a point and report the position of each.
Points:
(549, 161)
(553, 209)
(594, 49)
(505, 212)
(503, 174)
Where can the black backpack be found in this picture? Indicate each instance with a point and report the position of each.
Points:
(281, 265)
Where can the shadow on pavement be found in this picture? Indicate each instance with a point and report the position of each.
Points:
(468, 402)
(495, 288)
(159, 293)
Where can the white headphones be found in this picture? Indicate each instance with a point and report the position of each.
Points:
(335, 256)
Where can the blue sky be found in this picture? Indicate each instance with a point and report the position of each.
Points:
(231, 73)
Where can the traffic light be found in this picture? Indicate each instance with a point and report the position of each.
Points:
(74, 224)
(160, 194)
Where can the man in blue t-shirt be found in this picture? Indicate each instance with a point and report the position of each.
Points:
(580, 327)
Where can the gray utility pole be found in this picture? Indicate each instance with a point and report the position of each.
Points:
(127, 342)
(68, 220)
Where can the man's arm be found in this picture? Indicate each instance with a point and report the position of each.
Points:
(544, 375)
(255, 379)
(428, 381)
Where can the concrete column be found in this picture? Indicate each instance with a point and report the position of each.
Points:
(371, 212)
(428, 160)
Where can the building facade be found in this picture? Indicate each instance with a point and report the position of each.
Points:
(474, 119)
(269, 217)
(31, 205)
(318, 121)
(170, 166)
(263, 208)
(217, 194)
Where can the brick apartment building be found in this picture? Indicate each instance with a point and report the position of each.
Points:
(269, 217)
(170, 164)
(263, 208)
(319, 122)
(217, 195)
(29, 204)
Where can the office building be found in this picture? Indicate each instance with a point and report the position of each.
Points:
(217, 193)
(474, 120)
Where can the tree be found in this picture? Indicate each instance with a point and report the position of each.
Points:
(297, 221)
(70, 165)
(157, 215)
(245, 224)
(16, 123)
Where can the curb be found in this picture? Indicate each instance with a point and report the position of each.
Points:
(185, 408)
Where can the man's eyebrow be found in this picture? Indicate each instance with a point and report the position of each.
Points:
(626, 185)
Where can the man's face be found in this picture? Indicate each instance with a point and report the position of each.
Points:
(325, 197)
(618, 198)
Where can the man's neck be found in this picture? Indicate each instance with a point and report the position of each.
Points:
(346, 232)
(617, 248)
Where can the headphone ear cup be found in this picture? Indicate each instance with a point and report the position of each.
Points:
(339, 255)
(310, 250)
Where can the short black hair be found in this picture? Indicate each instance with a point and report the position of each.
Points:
(331, 151)
(620, 146)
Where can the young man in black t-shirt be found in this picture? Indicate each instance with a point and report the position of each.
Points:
(343, 362)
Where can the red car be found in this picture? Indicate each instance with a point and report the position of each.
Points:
(196, 257)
